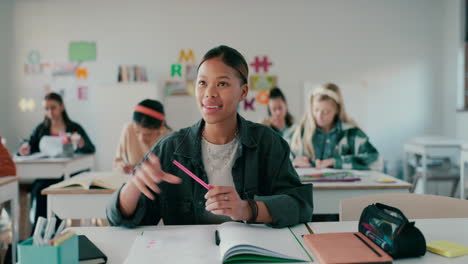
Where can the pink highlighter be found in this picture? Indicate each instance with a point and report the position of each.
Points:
(189, 173)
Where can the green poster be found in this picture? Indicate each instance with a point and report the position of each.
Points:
(82, 51)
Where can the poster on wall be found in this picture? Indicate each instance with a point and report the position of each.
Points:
(176, 87)
(262, 82)
(182, 75)
(82, 51)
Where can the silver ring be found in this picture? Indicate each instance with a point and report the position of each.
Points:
(226, 198)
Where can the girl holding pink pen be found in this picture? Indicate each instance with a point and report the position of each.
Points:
(223, 168)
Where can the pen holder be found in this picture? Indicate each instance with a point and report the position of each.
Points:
(65, 253)
(68, 150)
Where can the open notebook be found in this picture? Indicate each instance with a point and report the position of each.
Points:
(238, 243)
(106, 180)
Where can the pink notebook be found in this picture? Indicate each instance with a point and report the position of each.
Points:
(343, 248)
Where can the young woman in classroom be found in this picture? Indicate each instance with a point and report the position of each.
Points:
(246, 165)
(138, 137)
(56, 123)
(279, 118)
(327, 137)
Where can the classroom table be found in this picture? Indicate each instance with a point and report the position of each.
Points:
(115, 242)
(76, 203)
(451, 229)
(327, 195)
(463, 161)
(9, 192)
(52, 168)
(424, 146)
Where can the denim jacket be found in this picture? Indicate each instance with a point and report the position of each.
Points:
(262, 171)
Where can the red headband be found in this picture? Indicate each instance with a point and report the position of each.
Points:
(149, 112)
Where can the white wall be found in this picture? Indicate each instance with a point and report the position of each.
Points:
(393, 50)
(6, 34)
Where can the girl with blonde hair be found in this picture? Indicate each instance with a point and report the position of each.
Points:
(327, 137)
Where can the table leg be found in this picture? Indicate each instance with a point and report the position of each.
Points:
(14, 224)
(424, 172)
(462, 175)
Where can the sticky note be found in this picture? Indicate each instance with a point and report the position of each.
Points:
(447, 249)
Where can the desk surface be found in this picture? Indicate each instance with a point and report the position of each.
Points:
(116, 242)
(368, 180)
(8, 179)
(450, 229)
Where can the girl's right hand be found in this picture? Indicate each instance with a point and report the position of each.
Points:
(301, 162)
(149, 174)
(25, 149)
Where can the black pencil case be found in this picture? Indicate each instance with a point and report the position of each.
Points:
(389, 228)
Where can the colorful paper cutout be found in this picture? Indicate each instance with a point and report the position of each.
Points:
(190, 72)
(82, 73)
(34, 57)
(249, 104)
(176, 87)
(26, 104)
(262, 97)
(189, 57)
(83, 93)
(257, 64)
(176, 69)
(82, 51)
(262, 82)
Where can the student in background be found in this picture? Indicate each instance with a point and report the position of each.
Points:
(246, 164)
(327, 138)
(138, 137)
(279, 118)
(56, 122)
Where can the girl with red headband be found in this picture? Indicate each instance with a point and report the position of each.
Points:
(137, 138)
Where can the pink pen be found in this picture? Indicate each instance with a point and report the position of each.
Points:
(189, 173)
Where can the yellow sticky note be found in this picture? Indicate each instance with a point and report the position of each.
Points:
(386, 180)
(447, 249)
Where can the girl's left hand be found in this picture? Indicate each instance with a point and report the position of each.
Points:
(224, 200)
(322, 164)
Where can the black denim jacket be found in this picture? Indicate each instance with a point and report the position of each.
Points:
(262, 171)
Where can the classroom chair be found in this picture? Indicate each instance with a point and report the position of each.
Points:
(414, 206)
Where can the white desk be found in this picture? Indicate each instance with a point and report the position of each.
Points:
(424, 146)
(77, 203)
(115, 242)
(450, 229)
(463, 161)
(327, 195)
(9, 192)
(52, 168)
